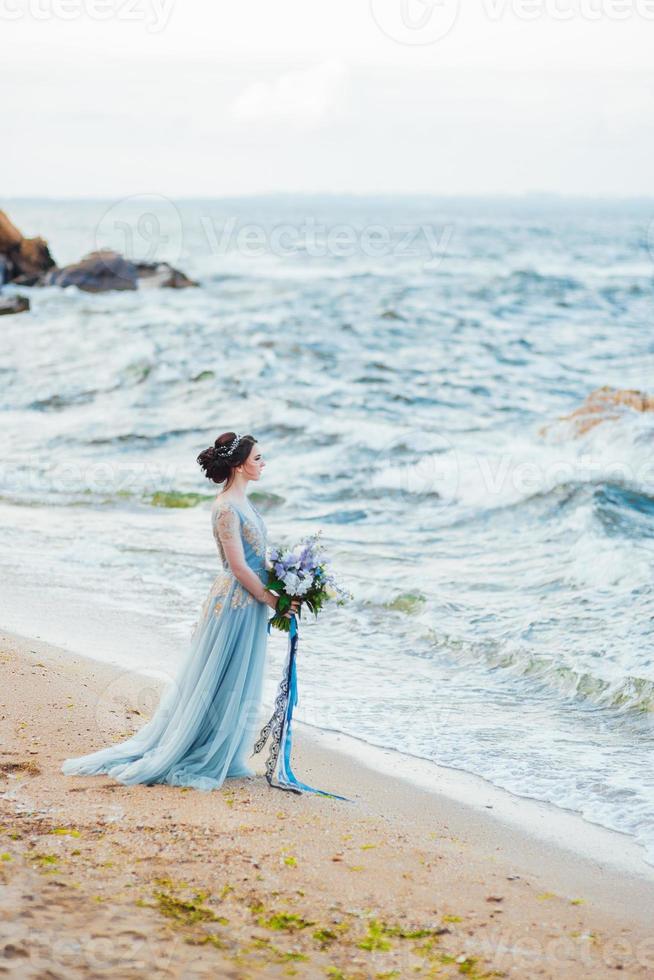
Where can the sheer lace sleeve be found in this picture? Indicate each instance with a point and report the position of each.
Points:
(228, 533)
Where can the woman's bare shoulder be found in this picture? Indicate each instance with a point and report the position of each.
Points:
(222, 505)
(222, 499)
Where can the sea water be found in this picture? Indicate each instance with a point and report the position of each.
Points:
(405, 365)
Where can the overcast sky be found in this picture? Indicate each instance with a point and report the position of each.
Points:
(194, 97)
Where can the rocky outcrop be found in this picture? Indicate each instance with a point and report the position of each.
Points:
(22, 260)
(28, 262)
(95, 273)
(605, 404)
(106, 270)
(13, 304)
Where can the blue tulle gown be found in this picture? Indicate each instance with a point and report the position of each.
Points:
(205, 726)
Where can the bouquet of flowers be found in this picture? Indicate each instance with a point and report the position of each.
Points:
(302, 573)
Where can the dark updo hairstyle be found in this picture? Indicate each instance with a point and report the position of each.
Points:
(216, 465)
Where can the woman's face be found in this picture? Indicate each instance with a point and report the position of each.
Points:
(253, 466)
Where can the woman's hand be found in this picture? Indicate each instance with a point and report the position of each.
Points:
(295, 607)
(271, 600)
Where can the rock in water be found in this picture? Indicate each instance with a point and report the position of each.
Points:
(22, 260)
(97, 272)
(13, 304)
(105, 270)
(162, 275)
(603, 405)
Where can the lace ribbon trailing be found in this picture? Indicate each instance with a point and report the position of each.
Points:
(279, 727)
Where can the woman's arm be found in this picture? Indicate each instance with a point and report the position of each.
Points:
(229, 533)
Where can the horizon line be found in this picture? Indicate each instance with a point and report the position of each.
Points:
(434, 195)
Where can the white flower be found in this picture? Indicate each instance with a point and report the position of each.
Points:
(304, 586)
(291, 582)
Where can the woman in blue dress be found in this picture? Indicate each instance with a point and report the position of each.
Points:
(204, 727)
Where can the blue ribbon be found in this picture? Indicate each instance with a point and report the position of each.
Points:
(286, 700)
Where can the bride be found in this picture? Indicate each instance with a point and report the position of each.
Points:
(205, 724)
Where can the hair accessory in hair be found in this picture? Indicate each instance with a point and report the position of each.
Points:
(227, 448)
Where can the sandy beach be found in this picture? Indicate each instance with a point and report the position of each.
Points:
(98, 879)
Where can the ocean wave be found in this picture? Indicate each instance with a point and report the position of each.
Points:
(265, 500)
(92, 498)
(520, 468)
(125, 438)
(623, 510)
(528, 283)
(59, 402)
(627, 693)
